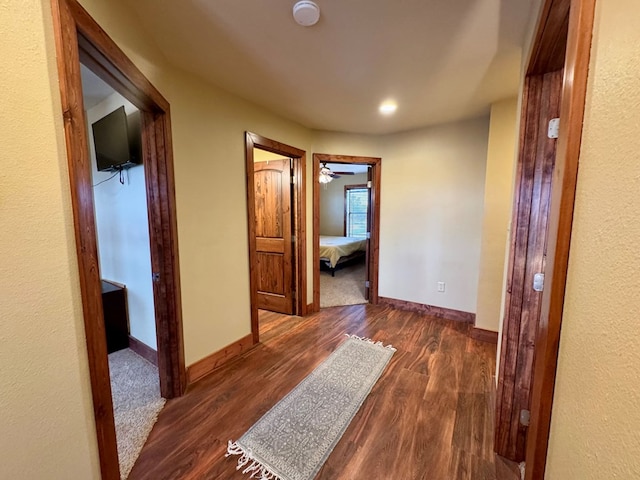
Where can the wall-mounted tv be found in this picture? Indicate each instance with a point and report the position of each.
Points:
(117, 140)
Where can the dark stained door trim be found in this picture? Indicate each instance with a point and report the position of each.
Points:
(562, 42)
(252, 141)
(576, 70)
(79, 37)
(374, 217)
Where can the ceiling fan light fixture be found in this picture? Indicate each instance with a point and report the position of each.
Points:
(306, 13)
(326, 175)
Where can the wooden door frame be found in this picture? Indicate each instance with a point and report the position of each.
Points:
(374, 260)
(576, 71)
(78, 37)
(252, 141)
(559, 20)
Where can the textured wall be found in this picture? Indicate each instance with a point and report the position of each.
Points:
(46, 418)
(501, 160)
(595, 431)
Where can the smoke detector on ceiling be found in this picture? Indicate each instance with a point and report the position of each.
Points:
(306, 13)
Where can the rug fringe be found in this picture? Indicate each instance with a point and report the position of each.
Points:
(368, 340)
(256, 469)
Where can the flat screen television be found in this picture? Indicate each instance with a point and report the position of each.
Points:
(117, 140)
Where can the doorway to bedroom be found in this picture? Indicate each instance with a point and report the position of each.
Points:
(276, 227)
(80, 38)
(346, 205)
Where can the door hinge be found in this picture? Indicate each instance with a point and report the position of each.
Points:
(368, 235)
(293, 180)
(293, 238)
(155, 277)
(554, 128)
(538, 282)
(368, 183)
(525, 417)
(367, 284)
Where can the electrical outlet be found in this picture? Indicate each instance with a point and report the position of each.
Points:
(441, 286)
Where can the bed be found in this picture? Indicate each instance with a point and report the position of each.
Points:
(335, 251)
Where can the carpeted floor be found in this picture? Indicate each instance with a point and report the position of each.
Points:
(135, 387)
(346, 288)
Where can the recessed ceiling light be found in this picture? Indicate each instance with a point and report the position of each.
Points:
(388, 107)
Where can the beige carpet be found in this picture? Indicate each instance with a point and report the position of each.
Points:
(135, 387)
(346, 288)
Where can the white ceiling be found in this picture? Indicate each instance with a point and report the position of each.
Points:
(441, 60)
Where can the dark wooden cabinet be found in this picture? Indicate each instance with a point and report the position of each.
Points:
(116, 321)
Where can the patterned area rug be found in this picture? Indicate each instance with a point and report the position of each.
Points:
(294, 439)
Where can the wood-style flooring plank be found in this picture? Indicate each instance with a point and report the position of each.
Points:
(430, 416)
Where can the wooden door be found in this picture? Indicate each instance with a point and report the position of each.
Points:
(274, 258)
(527, 258)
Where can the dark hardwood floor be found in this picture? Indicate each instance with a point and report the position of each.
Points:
(430, 416)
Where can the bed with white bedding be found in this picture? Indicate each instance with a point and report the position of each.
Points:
(337, 250)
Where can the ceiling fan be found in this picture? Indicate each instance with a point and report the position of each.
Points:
(326, 174)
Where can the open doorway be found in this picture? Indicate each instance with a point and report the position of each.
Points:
(344, 214)
(276, 226)
(346, 211)
(124, 260)
(78, 37)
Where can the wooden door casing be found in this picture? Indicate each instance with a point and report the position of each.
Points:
(375, 174)
(274, 262)
(367, 284)
(79, 38)
(528, 359)
(579, 28)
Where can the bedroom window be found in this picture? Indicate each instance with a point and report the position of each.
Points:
(356, 199)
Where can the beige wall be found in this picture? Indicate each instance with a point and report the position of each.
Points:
(431, 208)
(501, 159)
(596, 419)
(264, 156)
(208, 141)
(337, 143)
(431, 213)
(208, 132)
(45, 400)
(332, 203)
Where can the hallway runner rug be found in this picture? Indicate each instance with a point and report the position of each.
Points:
(294, 439)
